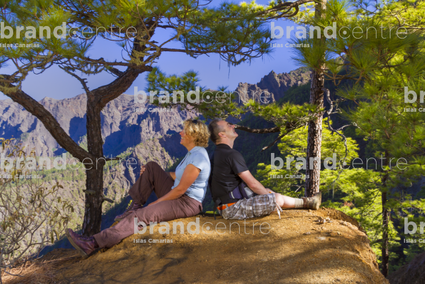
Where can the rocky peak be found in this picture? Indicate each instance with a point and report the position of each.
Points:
(272, 87)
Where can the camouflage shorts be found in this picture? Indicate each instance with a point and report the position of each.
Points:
(256, 206)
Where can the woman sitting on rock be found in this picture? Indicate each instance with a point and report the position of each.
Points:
(180, 193)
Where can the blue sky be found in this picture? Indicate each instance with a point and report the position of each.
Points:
(213, 71)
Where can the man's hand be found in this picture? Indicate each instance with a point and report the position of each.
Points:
(270, 191)
(253, 183)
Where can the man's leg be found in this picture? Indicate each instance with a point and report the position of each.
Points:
(302, 203)
(159, 212)
(264, 204)
(287, 202)
(256, 206)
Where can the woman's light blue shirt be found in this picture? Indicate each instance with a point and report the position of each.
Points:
(198, 157)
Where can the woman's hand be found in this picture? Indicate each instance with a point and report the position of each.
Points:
(189, 176)
(172, 175)
(142, 169)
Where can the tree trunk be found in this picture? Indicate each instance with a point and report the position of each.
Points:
(94, 170)
(314, 143)
(385, 242)
(93, 202)
(385, 221)
(1, 262)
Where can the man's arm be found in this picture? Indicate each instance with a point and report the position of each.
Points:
(253, 183)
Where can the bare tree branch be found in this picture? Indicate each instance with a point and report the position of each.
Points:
(274, 142)
(286, 7)
(112, 159)
(38, 110)
(258, 131)
(191, 52)
(107, 93)
(82, 80)
(5, 271)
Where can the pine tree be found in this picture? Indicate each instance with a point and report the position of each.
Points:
(388, 66)
(383, 57)
(41, 34)
(31, 48)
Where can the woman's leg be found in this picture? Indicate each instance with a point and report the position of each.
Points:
(154, 179)
(158, 212)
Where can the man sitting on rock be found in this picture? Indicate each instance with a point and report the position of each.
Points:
(237, 194)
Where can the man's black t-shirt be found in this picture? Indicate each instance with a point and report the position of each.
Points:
(226, 166)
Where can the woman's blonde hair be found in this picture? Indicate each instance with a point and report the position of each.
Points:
(198, 130)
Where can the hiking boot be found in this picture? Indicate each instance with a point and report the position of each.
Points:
(75, 235)
(133, 207)
(85, 246)
(313, 202)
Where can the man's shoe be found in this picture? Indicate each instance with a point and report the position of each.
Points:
(133, 206)
(313, 202)
(85, 246)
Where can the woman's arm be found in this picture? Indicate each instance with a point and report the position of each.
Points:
(189, 176)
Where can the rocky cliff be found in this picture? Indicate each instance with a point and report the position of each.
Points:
(125, 123)
(297, 248)
(272, 87)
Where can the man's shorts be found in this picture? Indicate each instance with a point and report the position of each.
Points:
(256, 206)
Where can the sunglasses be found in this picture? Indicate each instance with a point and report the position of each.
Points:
(195, 121)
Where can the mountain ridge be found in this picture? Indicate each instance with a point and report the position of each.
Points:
(125, 122)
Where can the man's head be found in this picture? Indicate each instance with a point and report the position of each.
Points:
(222, 131)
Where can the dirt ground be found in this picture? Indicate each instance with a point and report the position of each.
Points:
(298, 248)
